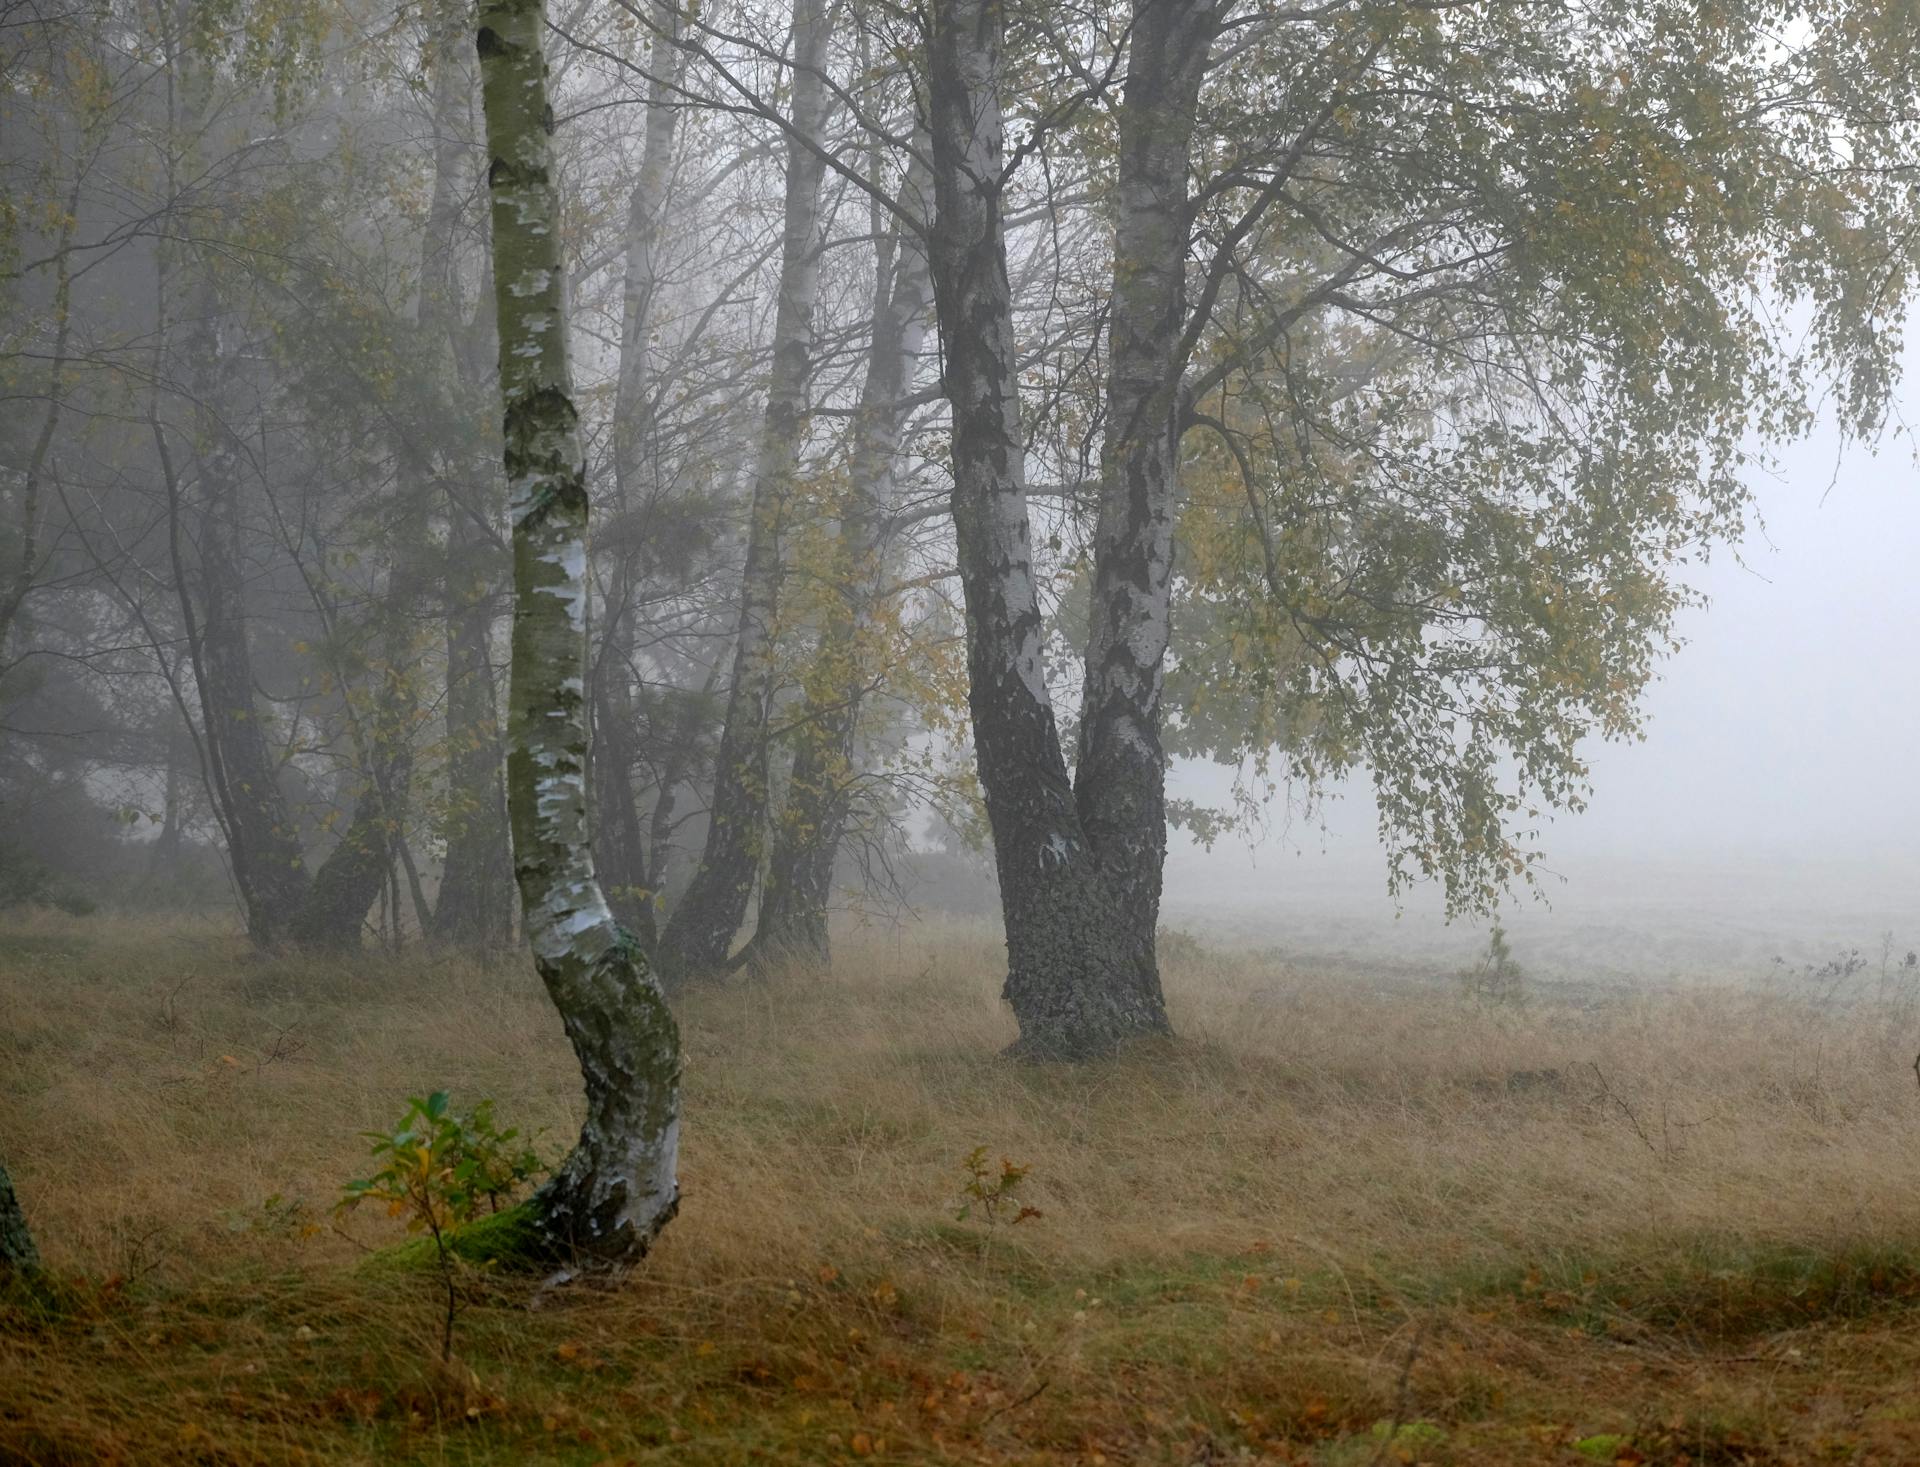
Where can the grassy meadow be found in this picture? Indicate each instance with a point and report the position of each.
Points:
(1339, 1221)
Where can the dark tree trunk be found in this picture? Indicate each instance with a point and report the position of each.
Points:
(620, 845)
(363, 862)
(358, 868)
(700, 934)
(18, 1256)
(166, 846)
(1078, 977)
(262, 843)
(799, 885)
(474, 905)
(241, 775)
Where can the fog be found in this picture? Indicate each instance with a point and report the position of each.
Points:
(1770, 811)
(1438, 441)
(584, 580)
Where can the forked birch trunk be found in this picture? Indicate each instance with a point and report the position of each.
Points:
(1078, 978)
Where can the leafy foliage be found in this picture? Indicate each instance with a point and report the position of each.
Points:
(442, 1168)
(1496, 367)
(994, 1194)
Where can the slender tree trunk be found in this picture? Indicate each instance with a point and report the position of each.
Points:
(263, 849)
(18, 1256)
(355, 871)
(263, 844)
(1120, 775)
(807, 837)
(350, 879)
(708, 916)
(474, 905)
(617, 1188)
(166, 846)
(1078, 979)
(14, 596)
(619, 841)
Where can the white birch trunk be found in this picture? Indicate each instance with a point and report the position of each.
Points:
(1120, 775)
(618, 1187)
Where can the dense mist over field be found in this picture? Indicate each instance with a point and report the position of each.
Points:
(1769, 811)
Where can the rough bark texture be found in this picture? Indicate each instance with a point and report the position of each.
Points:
(619, 841)
(618, 1187)
(1120, 775)
(708, 916)
(17, 1253)
(799, 883)
(1078, 979)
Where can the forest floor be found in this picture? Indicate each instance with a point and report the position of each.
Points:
(1336, 1222)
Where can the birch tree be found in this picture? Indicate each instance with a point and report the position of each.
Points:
(617, 1188)
(1397, 306)
(793, 916)
(1074, 975)
(700, 934)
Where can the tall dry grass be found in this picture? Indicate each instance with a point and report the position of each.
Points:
(1337, 1147)
(159, 1081)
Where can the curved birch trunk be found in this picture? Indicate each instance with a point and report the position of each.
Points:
(1079, 980)
(709, 913)
(618, 1187)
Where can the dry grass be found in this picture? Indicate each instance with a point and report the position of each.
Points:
(1687, 1219)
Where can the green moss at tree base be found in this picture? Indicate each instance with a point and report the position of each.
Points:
(505, 1241)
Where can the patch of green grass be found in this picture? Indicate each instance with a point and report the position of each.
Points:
(506, 1240)
(1712, 1287)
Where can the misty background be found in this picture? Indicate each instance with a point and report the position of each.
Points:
(1771, 811)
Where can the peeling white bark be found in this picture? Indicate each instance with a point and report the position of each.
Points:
(616, 1189)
